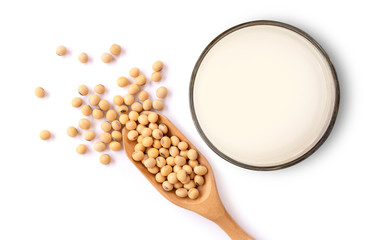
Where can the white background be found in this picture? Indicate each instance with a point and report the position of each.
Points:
(47, 191)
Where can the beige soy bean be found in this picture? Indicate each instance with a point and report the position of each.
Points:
(97, 113)
(94, 100)
(39, 92)
(45, 134)
(160, 162)
(143, 96)
(131, 125)
(99, 146)
(105, 159)
(193, 193)
(117, 136)
(72, 131)
(137, 106)
(161, 92)
(158, 105)
(86, 110)
(105, 137)
(133, 89)
(132, 135)
(123, 119)
(89, 135)
(83, 58)
(138, 156)
(104, 105)
(167, 186)
(156, 76)
(128, 99)
(147, 105)
(200, 170)
(123, 81)
(111, 115)
(118, 100)
(81, 149)
(106, 57)
(115, 49)
(84, 123)
(199, 180)
(140, 80)
(157, 66)
(134, 72)
(77, 102)
(115, 146)
(61, 50)
(83, 90)
(122, 109)
(181, 192)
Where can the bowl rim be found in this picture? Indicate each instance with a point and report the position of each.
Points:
(319, 48)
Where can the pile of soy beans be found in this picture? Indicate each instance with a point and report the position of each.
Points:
(174, 164)
(170, 159)
(114, 116)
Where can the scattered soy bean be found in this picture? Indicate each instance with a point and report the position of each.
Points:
(111, 115)
(137, 106)
(128, 99)
(61, 50)
(158, 105)
(157, 66)
(106, 57)
(77, 102)
(99, 88)
(94, 100)
(89, 135)
(115, 49)
(83, 90)
(72, 131)
(147, 105)
(161, 92)
(86, 110)
(97, 113)
(123, 81)
(156, 76)
(122, 109)
(45, 134)
(140, 80)
(118, 100)
(115, 146)
(40, 92)
(133, 89)
(105, 137)
(81, 149)
(143, 96)
(134, 72)
(84, 123)
(105, 159)
(104, 105)
(116, 135)
(83, 58)
(99, 146)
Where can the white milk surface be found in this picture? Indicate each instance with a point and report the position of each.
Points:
(264, 95)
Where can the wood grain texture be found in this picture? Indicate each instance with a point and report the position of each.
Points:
(208, 204)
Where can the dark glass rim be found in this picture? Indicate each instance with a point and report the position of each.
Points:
(306, 36)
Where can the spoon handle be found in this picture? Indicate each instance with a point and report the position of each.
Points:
(228, 224)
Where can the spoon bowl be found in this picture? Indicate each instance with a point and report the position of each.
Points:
(208, 204)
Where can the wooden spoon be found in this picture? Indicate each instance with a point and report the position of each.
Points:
(208, 204)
